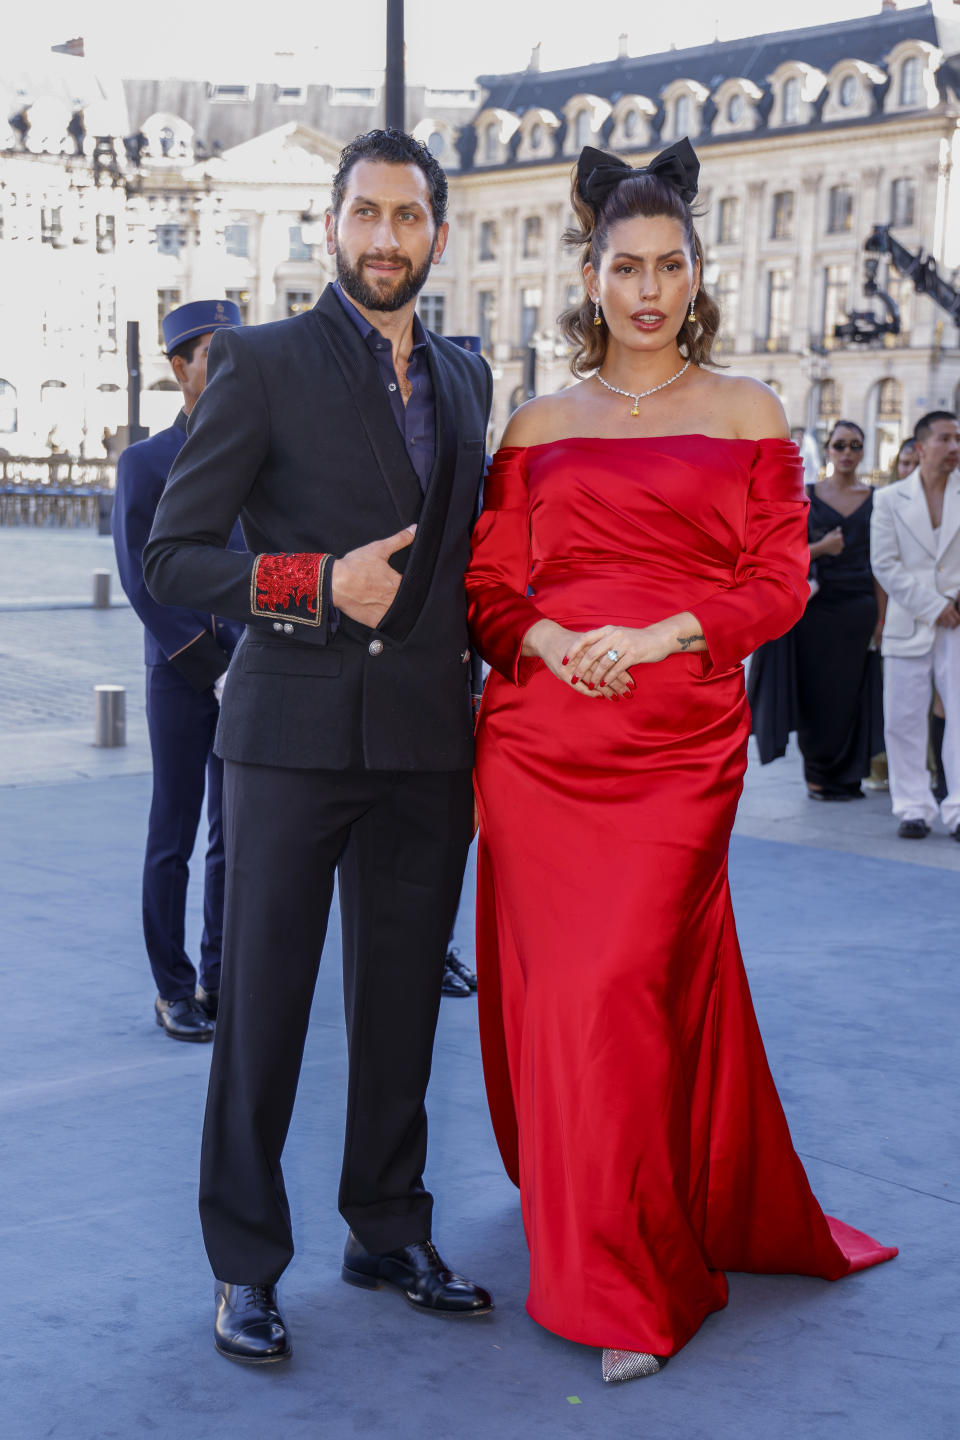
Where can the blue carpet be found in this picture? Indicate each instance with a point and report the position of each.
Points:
(854, 966)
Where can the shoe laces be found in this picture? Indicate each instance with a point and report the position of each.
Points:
(258, 1295)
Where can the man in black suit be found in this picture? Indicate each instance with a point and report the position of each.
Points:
(351, 443)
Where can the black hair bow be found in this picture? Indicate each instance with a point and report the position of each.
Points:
(598, 173)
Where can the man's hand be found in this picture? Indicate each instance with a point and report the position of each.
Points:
(363, 584)
(949, 616)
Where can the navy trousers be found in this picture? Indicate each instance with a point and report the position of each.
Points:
(181, 723)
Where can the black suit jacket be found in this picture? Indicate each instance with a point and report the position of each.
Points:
(294, 434)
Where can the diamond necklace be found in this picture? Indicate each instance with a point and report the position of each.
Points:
(643, 393)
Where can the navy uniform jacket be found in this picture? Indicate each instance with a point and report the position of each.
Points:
(196, 644)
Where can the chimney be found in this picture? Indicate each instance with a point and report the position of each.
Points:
(534, 57)
(888, 4)
(623, 45)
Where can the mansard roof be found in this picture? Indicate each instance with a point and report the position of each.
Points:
(869, 38)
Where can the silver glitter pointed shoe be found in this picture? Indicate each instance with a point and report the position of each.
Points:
(620, 1365)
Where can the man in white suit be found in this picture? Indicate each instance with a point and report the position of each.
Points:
(915, 554)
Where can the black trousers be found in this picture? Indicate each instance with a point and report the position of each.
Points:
(398, 842)
(182, 724)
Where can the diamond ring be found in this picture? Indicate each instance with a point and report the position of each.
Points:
(613, 655)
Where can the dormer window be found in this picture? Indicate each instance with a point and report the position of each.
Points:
(582, 129)
(681, 115)
(536, 136)
(585, 115)
(491, 143)
(735, 108)
(791, 101)
(537, 129)
(848, 90)
(911, 78)
(631, 124)
(852, 90)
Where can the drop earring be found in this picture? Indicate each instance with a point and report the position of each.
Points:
(691, 313)
(596, 312)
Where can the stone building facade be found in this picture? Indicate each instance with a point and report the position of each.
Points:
(176, 191)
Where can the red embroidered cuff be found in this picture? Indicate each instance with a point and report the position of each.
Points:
(291, 583)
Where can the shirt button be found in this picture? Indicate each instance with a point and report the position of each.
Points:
(288, 629)
(277, 626)
(375, 647)
(391, 386)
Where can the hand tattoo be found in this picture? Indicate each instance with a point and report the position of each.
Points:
(685, 641)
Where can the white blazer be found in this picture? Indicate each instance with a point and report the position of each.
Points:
(919, 567)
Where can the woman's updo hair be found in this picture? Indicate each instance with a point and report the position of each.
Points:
(636, 194)
(844, 425)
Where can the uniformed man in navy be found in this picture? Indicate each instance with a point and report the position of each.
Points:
(186, 653)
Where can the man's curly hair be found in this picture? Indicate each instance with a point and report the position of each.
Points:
(395, 147)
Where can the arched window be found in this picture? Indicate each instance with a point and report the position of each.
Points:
(791, 101)
(536, 136)
(583, 130)
(828, 400)
(735, 108)
(848, 90)
(911, 73)
(435, 142)
(889, 400)
(8, 408)
(631, 123)
(681, 116)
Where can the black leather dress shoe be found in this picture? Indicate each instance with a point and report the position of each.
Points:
(249, 1325)
(419, 1274)
(462, 972)
(451, 984)
(913, 829)
(209, 1001)
(183, 1019)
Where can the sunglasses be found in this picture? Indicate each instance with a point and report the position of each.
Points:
(846, 444)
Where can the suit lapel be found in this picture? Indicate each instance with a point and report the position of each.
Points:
(359, 371)
(915, 514)
(418, 575)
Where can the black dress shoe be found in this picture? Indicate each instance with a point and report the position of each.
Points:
(209, 1001)
(249, 1326)
(419, 1274)
(183, 1019)
(913, 829)
(462, 972)
(451, 984)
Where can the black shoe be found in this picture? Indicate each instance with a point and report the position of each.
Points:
(462, 972)
(833, 795)
(249, 1326)
(913, 829)
(209, 1001)
(451, 984)
(183, 1019)
(419, 1273)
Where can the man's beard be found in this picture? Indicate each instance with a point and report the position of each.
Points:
(379, 297)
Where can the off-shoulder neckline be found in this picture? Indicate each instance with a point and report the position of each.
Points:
(632, 440)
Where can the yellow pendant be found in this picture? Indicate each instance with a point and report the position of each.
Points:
(635, 411)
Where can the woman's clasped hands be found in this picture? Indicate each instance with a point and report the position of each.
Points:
(596, 663)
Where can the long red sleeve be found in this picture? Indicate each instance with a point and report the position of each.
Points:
(499, 612)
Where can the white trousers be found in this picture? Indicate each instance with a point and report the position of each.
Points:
(907, 689)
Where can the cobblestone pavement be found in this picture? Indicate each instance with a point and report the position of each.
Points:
(54, 650)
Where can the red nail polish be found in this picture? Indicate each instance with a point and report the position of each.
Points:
(564, 660)
(590, 685)
(614, 697)
(574, 679)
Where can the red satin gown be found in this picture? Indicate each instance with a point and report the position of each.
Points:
(628, 1084)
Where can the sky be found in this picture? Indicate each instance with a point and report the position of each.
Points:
(449, 42)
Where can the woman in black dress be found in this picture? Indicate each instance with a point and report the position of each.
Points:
(839, 721)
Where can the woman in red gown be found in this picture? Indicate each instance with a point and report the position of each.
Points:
(643, 531)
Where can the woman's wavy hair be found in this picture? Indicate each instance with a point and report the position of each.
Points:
(637, 194)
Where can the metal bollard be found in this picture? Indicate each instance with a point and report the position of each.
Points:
(110, 715)
(101, 589)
